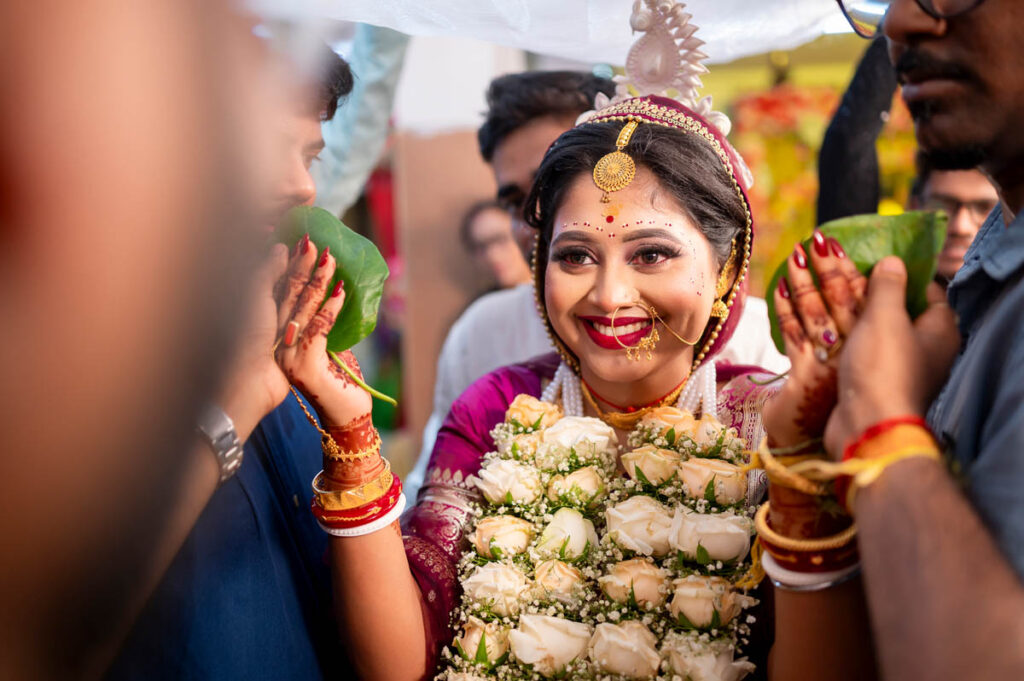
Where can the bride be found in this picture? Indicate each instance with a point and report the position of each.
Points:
(644, 240)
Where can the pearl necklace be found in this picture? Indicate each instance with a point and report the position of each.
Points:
(699, 393)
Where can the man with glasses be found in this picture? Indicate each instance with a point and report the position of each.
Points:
(943, 556)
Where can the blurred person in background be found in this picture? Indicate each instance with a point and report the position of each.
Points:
(486, 234)
(966, 196)
(131, 144)
(248, 595)
(526, 112)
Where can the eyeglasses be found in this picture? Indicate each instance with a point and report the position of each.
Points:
(865, 16)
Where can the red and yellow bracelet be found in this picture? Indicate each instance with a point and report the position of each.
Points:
(360, 515)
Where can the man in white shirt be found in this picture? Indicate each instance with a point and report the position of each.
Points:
(526, 113)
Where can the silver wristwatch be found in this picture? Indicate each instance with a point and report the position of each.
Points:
(218, 430)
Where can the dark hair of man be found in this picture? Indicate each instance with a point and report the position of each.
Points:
(335, 82)
(518, 98)
(466, 228)
(684, 165)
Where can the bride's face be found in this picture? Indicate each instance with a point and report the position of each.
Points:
(651, 252)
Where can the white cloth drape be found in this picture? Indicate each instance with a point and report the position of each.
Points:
(584, 30)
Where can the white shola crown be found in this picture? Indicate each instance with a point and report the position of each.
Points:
(666, 61)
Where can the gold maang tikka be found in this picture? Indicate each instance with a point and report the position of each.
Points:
(720, 308)
(615, 170)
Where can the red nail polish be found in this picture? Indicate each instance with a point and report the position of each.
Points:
(820, 246)
(836, 248)
(784, 288)
(305, 243)
(323, 258)
(800, 257)
(337, 289)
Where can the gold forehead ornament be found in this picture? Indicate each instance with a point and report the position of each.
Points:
(616, 170)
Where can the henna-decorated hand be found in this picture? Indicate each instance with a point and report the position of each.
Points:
(255, 384)
(813, 325)
(305, 323)
(892, 366)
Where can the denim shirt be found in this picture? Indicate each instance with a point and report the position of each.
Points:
(979, 415)
(248, 595)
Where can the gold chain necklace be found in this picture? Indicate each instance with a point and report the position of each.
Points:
(628, 420)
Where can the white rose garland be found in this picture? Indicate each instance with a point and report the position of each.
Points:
(578, 571)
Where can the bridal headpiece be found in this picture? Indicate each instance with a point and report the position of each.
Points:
(660, 87)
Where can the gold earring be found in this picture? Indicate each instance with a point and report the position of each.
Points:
(720, 308)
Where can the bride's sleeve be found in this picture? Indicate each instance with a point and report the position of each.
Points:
(434, 529)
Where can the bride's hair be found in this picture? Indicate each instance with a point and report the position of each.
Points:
(685, 166)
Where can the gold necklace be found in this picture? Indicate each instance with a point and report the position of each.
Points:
(628, 420)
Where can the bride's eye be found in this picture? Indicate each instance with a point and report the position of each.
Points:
(652, 255)
(573, 257)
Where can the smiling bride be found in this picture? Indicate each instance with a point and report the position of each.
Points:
(644, 235)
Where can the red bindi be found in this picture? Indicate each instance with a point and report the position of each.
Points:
(610, 218)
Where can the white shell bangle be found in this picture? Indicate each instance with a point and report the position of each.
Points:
(369, 528)
(791, 580)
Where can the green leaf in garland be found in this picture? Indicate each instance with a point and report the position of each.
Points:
(709, 490)
(684, 622)
(536, 424)
(716, 619)
(642, 479)
(703, 557)
(481, 651)
(360, 265)
(916, 237)
(670, 436)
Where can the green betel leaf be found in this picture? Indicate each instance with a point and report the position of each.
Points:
(360, 265)
(916, 237)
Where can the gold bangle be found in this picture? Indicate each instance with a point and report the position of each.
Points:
(342, 500)
(835, 541)
(781, 474)
(335, 453)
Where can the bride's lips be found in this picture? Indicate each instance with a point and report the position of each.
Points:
(627, 330)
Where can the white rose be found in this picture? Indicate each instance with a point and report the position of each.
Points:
(484, 643)
(708, 430)
(724, 536)
(626, 649)
(697, 660)
(589, 438)
(567, 535)
(699, 598)
(665, 419)
(548, 643)
(640, 524)
(730, 482)
(502, 481)
(558, 580)
(501, 587)
(640, 577)
(529, 412)
(657, 465)
(502, 535)
(582, 487)
(518, 446)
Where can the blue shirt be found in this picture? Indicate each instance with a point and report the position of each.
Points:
(248, 596)
(979, 415)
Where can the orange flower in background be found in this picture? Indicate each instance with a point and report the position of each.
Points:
(779, 134)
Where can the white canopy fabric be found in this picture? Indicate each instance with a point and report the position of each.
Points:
(595, 31)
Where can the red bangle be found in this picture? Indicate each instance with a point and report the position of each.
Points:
(879, 428)
(360, 515)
